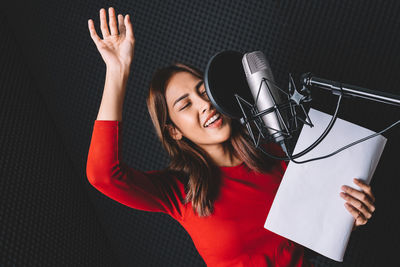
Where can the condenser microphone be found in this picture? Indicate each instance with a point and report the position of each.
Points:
(261, 83)
(242, 87)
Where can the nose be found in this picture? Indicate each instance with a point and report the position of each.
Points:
(204, 103)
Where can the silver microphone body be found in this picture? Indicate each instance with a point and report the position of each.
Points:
(256, 67)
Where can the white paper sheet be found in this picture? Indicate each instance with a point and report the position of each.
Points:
(307, 208)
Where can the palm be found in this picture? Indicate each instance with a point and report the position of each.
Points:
(115, 48)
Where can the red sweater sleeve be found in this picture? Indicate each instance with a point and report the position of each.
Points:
(148, 191)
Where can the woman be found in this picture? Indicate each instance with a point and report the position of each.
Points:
(217, 185)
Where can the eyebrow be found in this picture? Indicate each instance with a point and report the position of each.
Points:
(186, 95)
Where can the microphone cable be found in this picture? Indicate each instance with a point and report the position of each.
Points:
(347, 146)
(292, 158)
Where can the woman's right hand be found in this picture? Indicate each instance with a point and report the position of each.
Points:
(116, 49)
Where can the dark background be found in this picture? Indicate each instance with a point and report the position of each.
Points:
(51, 83)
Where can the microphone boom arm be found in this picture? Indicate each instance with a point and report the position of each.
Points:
(308, 79)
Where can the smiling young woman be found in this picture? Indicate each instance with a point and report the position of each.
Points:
(197, 151)
(218, 186)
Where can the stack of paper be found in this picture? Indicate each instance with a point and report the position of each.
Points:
(307, 208)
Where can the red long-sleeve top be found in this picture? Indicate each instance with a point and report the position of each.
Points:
(234, 235)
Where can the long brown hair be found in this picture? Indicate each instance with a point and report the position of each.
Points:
(188, 159)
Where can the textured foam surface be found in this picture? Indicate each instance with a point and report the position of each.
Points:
(46, 216)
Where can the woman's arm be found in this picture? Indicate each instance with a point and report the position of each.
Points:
(113, 95)
(149, 191)
(117, 51)
(154, 191)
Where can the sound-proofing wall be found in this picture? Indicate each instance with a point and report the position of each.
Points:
(46, 216)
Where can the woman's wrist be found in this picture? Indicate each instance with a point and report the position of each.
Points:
(113, 95)
(117, 78)
(118, 72)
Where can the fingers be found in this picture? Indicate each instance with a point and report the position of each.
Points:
(359, 217)
(366, 188)
(129, 29)
(124, 25)
(112, 21)
(93, 33)
(357, 204)
(358, 199)
(121, 25)
(360, 204)
(103, 23)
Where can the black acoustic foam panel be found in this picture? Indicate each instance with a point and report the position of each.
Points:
(46, 216)
(350, 41)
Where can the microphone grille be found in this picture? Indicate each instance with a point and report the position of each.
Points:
(256, 61)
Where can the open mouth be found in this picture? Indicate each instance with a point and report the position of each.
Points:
(214, 121)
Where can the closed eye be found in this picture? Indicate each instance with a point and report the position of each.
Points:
(203, 93)
(185, 106)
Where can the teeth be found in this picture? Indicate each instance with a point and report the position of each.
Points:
(211, 120)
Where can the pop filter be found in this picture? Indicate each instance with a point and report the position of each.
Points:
(223, 78)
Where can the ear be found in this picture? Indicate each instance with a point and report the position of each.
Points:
(174, 132)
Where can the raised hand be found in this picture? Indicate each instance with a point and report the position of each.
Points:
(116, 49)
(360, 204)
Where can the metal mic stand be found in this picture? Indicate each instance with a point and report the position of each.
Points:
(295, 100)
(308, 79)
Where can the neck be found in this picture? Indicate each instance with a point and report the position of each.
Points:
(222, 154)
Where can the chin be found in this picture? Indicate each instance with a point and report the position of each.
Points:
(226, 135)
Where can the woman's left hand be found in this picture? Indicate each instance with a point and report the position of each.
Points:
(359, 203)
